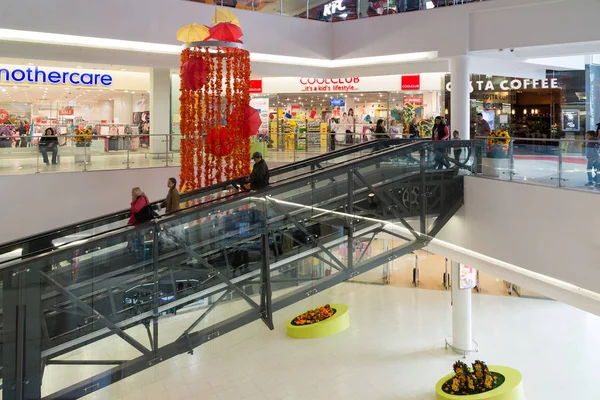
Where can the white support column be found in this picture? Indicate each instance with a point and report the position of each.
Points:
(160, 110)
(462, 340)
(460, 107)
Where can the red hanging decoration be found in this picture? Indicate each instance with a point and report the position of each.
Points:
(194, 74)
(226, 32)
(215, 91)
(219, 142)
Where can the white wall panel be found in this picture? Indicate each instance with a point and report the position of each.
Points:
(42, 202)
(157, 21)
(547, 230)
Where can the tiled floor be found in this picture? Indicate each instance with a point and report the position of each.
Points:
(393, 350)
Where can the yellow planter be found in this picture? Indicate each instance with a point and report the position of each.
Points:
(337, 323)
(511, 389)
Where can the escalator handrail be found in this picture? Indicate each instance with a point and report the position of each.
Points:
(187, 196)
(235, 197)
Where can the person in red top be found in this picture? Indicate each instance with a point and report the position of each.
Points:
(138, 201)
(440, 131)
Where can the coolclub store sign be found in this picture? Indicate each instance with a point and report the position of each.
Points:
(390, 83)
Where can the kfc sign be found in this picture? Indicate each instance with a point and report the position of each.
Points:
(333, 7)
(410, 82)
(255, 86)
(329, 85)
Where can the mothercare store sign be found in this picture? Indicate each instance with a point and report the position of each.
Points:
(74, 77)
(390, 83)
(42, 75)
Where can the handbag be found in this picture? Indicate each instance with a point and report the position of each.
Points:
(145, 214)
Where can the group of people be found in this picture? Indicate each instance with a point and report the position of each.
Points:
(14, 135)
(141, 209)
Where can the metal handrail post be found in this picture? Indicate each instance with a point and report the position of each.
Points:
(511, 160)
(560, 164)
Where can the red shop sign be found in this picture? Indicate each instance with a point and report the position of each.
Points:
(3, 116)
(413, 99)
(66, 111)
(255, 85)
(410, 82)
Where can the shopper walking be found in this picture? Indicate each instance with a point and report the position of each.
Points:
(23, 134)
(414, 129)
(593, 158)
(457, 150)
(140, 211)
(49, 143)
(259, 178)
(482, 132)
(440, 132)
(380, 132)
(171, 203)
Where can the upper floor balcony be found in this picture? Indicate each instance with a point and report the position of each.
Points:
(335, 10)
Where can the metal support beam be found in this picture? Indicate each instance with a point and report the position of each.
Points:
(266, 295)
(101, 318)
(215, 271)
(205, 314)
(305, 231)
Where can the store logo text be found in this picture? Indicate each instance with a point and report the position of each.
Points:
(37, 75)
(515, 84)
(329, 85)
(333, 7)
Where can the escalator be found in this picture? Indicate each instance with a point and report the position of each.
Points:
(36, 244)
(125, 300)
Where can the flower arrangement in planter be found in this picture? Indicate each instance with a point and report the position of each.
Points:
(313, 316)
(83, 137)
(497, 143)
(470, 382)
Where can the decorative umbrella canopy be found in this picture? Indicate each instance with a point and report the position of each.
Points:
(252, 121)
(223, 15)
(194, 74)
(193, 33)
(226, 32)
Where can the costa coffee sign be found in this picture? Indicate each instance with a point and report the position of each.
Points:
(329, 85)
(511, 84)
(410, 82)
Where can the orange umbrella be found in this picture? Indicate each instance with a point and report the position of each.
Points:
(193, 33)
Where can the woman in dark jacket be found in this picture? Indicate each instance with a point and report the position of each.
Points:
(440, 131)
(380, 131)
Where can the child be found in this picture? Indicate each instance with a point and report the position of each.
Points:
(593, 158)
(457, 151)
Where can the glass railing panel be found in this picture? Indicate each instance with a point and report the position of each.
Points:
(567, 163)
(80, 293)
(70, 153)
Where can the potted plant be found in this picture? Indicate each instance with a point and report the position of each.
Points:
(481, 382)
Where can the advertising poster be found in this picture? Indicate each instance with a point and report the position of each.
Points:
(468, 277)
(570, 120)
(261, 104)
